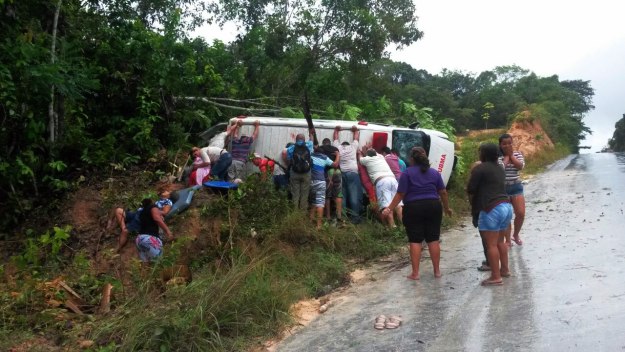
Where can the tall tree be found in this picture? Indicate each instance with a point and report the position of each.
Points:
(617, 142)
(302, 37)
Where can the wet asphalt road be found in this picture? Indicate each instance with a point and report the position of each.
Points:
(567, 292)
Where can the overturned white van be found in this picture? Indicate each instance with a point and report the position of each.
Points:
(275, 132)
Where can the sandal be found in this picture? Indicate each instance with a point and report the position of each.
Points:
(393, 322)
(488, 282)
(380, 322)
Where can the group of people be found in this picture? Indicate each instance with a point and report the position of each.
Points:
(496, 194)
(319, 177)
(217, 163)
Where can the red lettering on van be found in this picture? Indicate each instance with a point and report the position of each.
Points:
(441, 163)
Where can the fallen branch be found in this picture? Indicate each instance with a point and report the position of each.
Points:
(209, 101)
(105, 302)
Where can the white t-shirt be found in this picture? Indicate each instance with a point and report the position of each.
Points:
(348, 162)
(219, 140)
(376, 167)
(212, 153)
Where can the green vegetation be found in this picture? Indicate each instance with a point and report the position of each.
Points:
(617, 142)
(94, 86)
(103, 95)
(254, 257)
(242, 289)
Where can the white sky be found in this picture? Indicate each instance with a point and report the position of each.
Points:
(573, 39)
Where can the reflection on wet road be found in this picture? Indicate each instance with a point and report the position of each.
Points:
(567, 291)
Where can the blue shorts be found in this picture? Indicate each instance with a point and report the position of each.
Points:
(318, 194)
(514, 189)
(497, 219)
(132, 220)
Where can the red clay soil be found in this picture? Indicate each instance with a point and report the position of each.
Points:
(529, 137)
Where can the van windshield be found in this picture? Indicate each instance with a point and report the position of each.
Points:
(404, 140)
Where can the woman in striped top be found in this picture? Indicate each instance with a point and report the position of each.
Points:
(513, 162)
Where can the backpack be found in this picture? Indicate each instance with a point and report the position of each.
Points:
(302, 161)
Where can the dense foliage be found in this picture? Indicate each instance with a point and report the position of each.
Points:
(86, 86)
(617, 142)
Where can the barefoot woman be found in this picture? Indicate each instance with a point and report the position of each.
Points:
(513, 163)
(422, 190)
(487, 189)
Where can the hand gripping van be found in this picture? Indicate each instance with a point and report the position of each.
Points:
(275, 132)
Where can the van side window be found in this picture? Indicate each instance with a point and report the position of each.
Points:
(404, 140)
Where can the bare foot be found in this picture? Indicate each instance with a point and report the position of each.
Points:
(413, 277)
(438, 275)
(505, 274)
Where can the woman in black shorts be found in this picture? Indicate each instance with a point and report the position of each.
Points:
(424, 195)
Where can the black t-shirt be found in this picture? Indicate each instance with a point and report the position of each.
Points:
(487, 184)
(148, 225)
(329, 151)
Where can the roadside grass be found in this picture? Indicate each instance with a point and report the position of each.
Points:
(266, 258)
(245, 299)
(538, 162)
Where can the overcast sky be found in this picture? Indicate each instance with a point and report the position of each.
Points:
(572, 39)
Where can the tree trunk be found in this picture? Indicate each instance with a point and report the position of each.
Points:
(52, 116)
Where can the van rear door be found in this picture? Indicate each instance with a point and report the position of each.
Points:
(440, 151)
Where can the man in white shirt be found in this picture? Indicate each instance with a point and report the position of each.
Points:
(383, 179)
(352, 187)
(220, 159)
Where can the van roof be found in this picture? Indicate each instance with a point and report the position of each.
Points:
(321, 123)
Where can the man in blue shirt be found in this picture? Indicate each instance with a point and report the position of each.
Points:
(298, 157)
(318, 184)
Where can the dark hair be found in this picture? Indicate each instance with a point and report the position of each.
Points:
(489, 152)
(326, 141)
(289, 144)
(504, 136)
(501, 138)
(395, 151)
(371, 152)
(146, 203)
(386, 150)
(420, 159)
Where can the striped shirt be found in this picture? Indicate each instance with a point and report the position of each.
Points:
(241, 147)
(512, 173)
(320, 161)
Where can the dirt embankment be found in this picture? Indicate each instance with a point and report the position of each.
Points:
(529, 137)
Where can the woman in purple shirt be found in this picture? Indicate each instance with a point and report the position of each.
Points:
(422, 190)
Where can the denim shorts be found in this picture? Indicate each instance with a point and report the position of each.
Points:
(497, 219)
(514, 189)
(317, 193)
